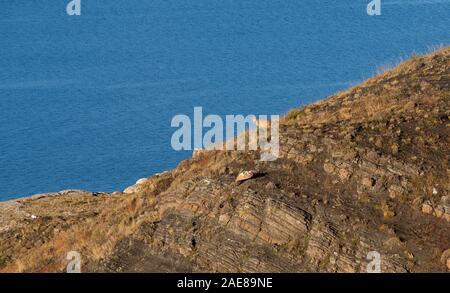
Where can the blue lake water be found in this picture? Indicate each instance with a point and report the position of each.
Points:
(86, 101)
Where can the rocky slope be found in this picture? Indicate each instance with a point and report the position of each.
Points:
(364, 170)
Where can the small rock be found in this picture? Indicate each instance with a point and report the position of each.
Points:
(435, 191)
(344, 174)
(395, 191)
(244, 176)
(131, 189)
(141, 181)
(427, 208)
(394, 149)
(439, 211)
(329, 168)
(223, 219)
(161, 173)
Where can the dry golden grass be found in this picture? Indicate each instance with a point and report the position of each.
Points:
(93, 237)
(389, 91)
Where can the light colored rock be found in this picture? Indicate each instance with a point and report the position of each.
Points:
(223, 219)
(161, 173)
(131, 189)
(344, 174)
(329, 168)
(439, 211)
(427, 208)
(141, 181)
(395, 191)
(394, 149)
(245, 175)
(74, 192)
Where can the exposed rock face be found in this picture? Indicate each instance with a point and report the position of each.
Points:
(365, 170)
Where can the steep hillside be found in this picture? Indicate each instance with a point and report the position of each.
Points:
(364, 170)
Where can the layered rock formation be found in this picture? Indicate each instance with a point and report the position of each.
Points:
(364, 170)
